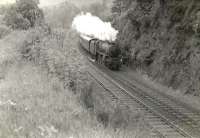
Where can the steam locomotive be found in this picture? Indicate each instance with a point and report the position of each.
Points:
(103, 52)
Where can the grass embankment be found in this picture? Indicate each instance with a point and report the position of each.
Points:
(43, 88)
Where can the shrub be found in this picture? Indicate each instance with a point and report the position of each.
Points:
(86, 97)
(30, 11)
(23, 15)
(103, 118)
(119, 119)
(2, 10)
(178, 13)
(72, 84)
(29, 52)
(4, 30)
(16, 21)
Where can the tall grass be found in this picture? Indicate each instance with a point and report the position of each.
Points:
(45, 89)
(114, 115)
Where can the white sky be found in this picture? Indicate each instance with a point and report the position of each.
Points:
(6, 1)
(42, 2)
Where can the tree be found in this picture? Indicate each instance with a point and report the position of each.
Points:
(30, 10)
(24, 14)
(3, 9)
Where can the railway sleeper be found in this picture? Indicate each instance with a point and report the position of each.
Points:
(150, 104)
(164, 129)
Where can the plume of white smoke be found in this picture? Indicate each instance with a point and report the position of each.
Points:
(92, 26)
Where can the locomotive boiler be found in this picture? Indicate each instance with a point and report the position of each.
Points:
(104, 52)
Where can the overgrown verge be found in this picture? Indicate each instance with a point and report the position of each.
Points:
(60, 58)
(114, 115)
(37, 74)
(34, 101)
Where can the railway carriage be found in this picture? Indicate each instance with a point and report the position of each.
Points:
(103, 52)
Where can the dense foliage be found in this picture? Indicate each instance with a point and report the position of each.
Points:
(162, 38)
(23, 14)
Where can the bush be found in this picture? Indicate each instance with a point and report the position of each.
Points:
(4, 30)
(119, 119)
(16, 20)
(1, 10)
(23, 15)
(30, 11)
(103, 118)
(86, 97)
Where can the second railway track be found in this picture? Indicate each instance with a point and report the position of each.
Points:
(165, 120)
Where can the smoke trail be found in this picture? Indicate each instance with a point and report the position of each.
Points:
(89, 25)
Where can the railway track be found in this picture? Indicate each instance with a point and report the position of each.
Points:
(167, 121)
(178, 113)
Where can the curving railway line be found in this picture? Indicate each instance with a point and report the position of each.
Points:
(168, 118)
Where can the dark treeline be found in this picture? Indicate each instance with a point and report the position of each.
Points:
(161, 38)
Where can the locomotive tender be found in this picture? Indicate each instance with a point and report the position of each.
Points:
(103, 52)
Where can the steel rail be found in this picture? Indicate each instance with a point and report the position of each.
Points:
(138, 100)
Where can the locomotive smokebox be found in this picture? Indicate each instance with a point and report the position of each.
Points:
(104, 52)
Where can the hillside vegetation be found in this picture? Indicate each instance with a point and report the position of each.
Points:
(162, 39)
(45, 91)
